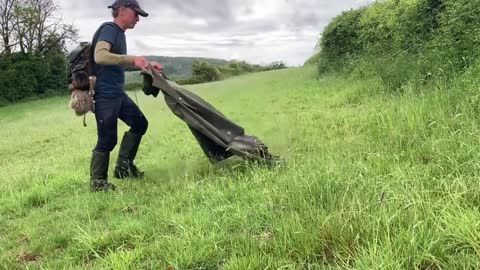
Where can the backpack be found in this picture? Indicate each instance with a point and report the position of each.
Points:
(80, 78)
(80, 67)
(81, 82)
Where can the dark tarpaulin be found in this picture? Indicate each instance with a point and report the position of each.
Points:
(218, 136)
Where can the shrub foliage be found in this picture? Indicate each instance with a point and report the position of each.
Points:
(403, 41)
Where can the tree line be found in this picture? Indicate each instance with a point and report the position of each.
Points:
(33, 42)
(203, 71)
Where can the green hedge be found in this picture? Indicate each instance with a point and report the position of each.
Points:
(403, 41)
(24, 76)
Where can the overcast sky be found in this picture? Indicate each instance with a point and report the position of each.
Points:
(258, 31)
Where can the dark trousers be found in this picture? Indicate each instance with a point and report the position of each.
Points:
(107, 113)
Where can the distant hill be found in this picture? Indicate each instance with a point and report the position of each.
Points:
(175, 67)
(181, 67)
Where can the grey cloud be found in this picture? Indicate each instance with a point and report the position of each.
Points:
(151, 47)
(202, 8)
(248, 28)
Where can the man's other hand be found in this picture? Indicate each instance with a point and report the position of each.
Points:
(140, 62)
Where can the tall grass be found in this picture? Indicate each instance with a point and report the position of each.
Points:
(371, 181)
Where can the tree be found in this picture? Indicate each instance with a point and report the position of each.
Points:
(32, 49)
(38, 29)
(6, 27)
(205, 72)
(276, 65)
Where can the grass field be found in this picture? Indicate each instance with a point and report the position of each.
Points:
(369, 182)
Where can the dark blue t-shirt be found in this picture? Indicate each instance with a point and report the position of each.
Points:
(110, 78)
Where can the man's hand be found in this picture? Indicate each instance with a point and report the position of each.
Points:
(157, 66)
(140, 62)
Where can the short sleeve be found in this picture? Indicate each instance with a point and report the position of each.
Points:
(107, 33)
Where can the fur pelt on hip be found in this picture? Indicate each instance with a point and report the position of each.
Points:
(81, 102)
(82, 91)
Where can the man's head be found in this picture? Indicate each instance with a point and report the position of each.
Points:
(126, 12)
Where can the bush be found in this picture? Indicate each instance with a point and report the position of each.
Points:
(276, 65)
(17, 83)
(191, 80)
(459, 34)
(339, 40)
(314, 60)
(25, 75)
(205, 72)
(403, 41)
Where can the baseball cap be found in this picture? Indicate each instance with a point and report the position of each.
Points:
(133, 4)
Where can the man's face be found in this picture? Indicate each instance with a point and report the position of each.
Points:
(129, 17)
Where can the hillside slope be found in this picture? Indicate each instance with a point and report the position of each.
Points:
(369, 182)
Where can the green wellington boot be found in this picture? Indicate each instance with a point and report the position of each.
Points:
(128, 150)
(99, 172)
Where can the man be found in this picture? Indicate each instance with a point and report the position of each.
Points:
(111, 102)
